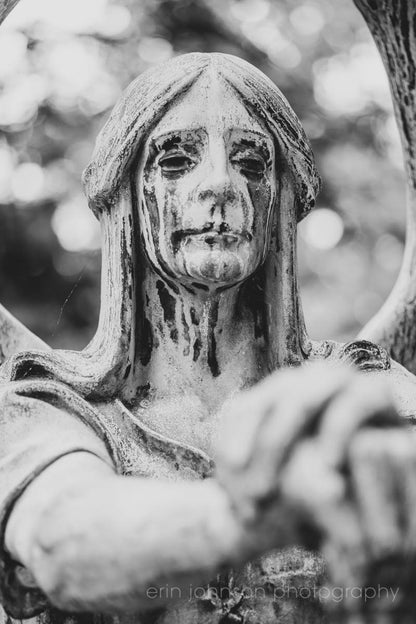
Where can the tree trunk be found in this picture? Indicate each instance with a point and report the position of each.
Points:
(393, 26)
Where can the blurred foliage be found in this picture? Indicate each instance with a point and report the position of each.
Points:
(63, 65)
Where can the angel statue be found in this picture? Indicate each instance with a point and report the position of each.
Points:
(202, 461)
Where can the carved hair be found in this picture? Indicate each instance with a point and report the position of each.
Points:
(150, 95)
(105, 366)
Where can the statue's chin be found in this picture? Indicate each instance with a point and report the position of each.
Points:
(215, 266)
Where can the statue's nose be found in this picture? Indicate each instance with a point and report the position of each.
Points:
(216, 184)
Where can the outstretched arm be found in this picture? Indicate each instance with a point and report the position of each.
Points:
(95, 541)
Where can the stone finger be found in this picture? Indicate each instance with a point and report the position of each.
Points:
(374, 480)
(365, 402)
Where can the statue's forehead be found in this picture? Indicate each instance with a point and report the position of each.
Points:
(211, 104)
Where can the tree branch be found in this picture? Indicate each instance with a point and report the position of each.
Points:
(393, 26)
(5, 7)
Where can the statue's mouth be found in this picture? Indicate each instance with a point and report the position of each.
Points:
(220, 237)
(214, 238)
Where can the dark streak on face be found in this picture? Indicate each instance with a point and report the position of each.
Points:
(143, 392)
(168, 303)
(146, 342)
(262, 148)
(170, 143)
(129, 262)
(253, 295)
(185, 334)
(127, 371)
(169, 277)
(200, 286)
(197, 349)
(188, 289)
(194, 318)
(212, 343)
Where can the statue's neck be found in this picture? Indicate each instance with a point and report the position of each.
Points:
(197, 341)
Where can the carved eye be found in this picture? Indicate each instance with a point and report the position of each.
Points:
(175, 163)
(251, 167)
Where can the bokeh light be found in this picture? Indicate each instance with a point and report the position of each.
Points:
(346, 83)
(7, 164)
(154, 50)
(75, 226)
(388, 253)
(114, 23)
(366, 305)
(323, 229)
(27, 183)
(250, 11)
(76, 16)
(307, 19)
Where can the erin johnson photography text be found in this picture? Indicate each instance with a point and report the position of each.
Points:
(325, 594)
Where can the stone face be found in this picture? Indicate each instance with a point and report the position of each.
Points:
(209, 185)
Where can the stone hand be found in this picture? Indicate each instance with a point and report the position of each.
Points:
(262, 430)
(355, 478)
(320, 448)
